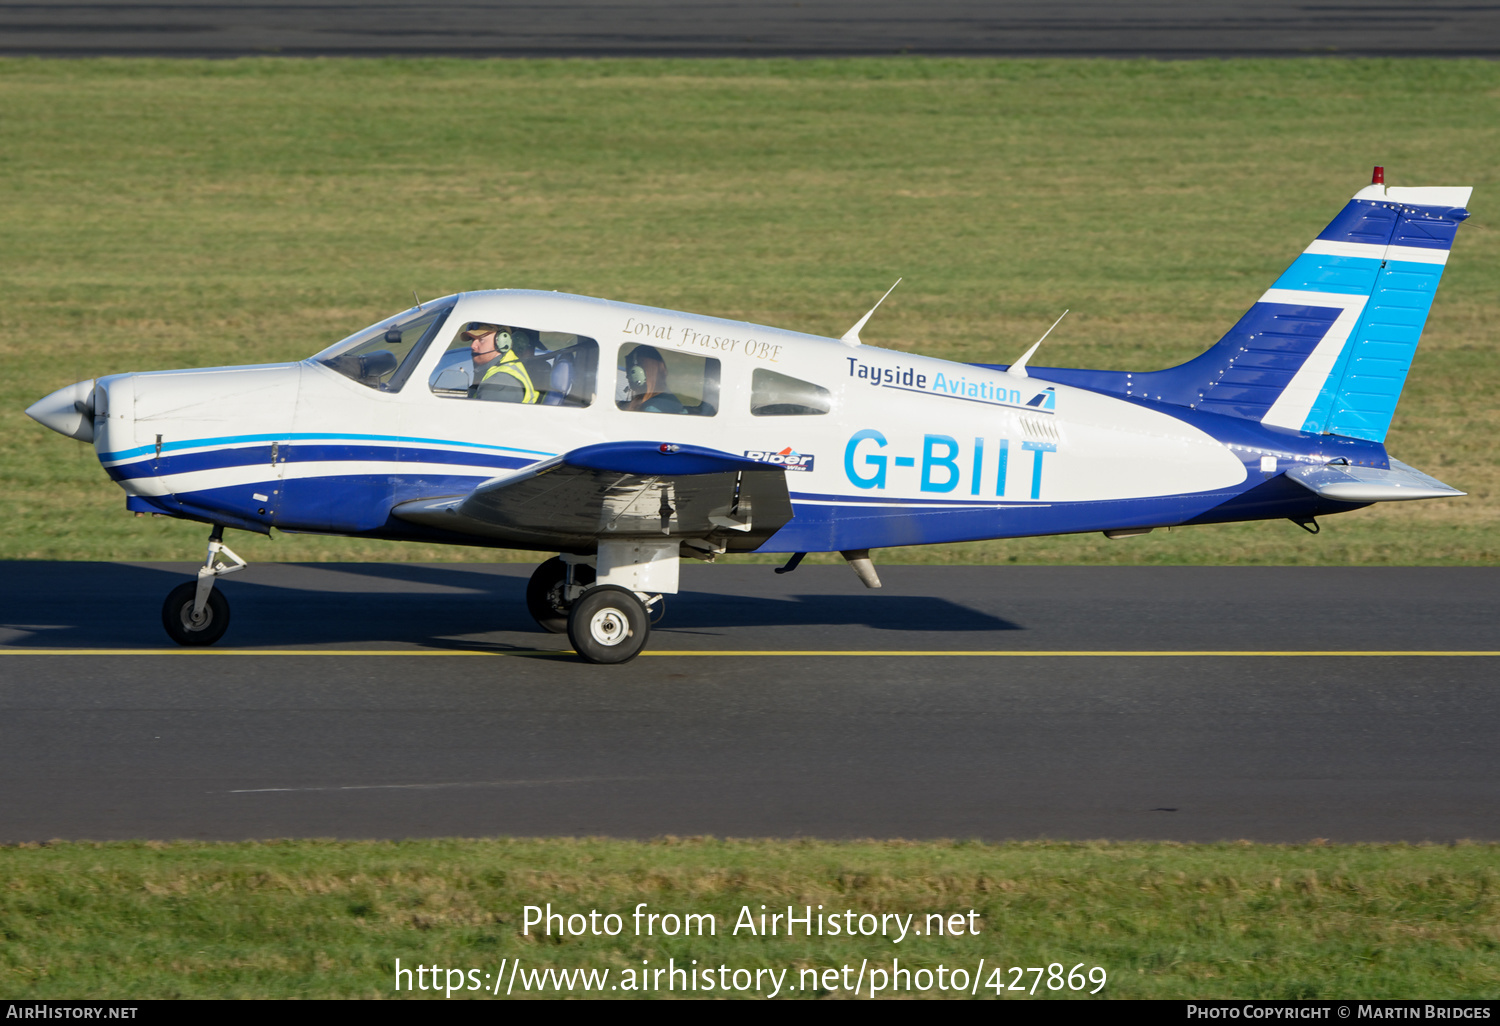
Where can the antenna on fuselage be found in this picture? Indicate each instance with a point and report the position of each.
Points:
(414, 299)
(851, 337)
(1018, 369)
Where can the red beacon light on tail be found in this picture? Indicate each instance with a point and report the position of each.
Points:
(1378, 176)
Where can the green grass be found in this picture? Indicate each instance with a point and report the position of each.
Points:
(328, 919)
(164, 214)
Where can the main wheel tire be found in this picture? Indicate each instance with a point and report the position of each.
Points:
(177, 616)
(546, 600)
(608, 624)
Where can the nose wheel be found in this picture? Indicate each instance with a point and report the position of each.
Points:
(195, 613)
(186, 627)
(608, 624)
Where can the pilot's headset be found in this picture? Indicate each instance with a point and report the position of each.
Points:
(503, 340)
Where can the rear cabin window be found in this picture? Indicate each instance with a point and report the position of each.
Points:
(778, 395)
(507, 363)
(383, 356)
(654, 381)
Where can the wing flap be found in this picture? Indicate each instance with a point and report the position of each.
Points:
(1371, 484)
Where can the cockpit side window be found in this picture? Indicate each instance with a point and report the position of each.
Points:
(652, 380)
(779, 395)
(511, 364)
(383, 356)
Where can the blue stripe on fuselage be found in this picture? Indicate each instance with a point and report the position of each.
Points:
(251, 455)
(816, 528)
(359, 504)
(241, 440)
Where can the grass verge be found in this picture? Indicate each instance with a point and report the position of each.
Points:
(329, 918)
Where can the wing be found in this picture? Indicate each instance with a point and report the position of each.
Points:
(619, 490)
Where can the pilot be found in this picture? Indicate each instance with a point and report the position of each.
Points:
(499, 373)
(646, 378)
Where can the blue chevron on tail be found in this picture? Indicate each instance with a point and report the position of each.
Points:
(1378, 264)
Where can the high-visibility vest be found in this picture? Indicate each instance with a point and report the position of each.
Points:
(511, 364)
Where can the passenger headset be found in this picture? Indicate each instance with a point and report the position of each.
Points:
(634, 372)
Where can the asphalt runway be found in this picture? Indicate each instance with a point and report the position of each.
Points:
(767, 28)
(398, 700)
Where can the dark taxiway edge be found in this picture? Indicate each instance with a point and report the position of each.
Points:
(718, 28)
(1209, 747)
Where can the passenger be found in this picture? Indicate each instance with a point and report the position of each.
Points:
(498, 351)
(646, 377)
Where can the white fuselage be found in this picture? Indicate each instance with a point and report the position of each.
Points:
(303, 447)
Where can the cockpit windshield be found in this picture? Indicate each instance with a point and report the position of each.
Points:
(383, 356)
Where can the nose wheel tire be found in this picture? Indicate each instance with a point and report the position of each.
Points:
(177, 616)
(608, 625)
(546, 596)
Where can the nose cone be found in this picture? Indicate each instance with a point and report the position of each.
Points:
(68, 411)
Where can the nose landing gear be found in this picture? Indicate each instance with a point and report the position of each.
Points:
(195, 613)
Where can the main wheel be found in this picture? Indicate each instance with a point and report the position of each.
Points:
(608, 625)
(177, 616)
(546, 597)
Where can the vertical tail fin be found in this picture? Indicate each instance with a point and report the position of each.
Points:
(1378, 265)
(1328, 346)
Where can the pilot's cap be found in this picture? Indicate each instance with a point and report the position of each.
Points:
(478, 328)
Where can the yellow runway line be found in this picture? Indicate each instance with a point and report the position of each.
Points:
(280, 652)
(862, 653)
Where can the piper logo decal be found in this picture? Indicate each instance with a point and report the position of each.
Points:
(788, 457)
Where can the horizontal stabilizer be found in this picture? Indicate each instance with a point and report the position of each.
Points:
(1370, 484)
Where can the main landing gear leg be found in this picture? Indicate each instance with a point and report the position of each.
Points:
(611, 622)
(195, 613)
